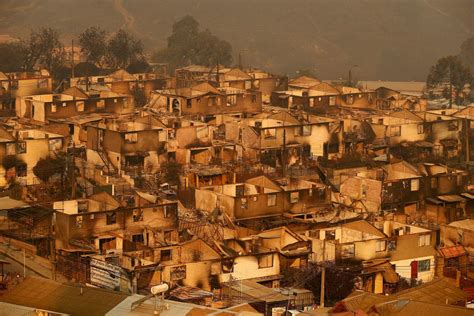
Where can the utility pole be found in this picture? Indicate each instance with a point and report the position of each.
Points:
(283, 154)
(323, 275)
(24, 263)
(217, 74)
(450, 87)
(288, 301)
(73, 173)
(466, 136)
(323, 279)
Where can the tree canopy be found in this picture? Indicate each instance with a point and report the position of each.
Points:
(41, 46)
(45, 168)
(93, 42)
(123, 49)
(187, 44)
(44, 48)
(11, 56)
(449, 72)
(467, 53)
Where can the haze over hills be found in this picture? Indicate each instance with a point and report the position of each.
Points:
(387, 39)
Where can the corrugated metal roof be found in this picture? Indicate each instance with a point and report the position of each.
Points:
(464, 224)
(7, 203)
(452, 198)
(451, 252)
(50, 295)
(468, 195)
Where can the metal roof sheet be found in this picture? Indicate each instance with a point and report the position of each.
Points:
(452, 198)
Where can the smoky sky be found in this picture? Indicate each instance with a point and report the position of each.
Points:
(386, 39)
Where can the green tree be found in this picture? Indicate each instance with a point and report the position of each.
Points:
(449, 74)
(93, 42)
(187, 44)
(123, 49)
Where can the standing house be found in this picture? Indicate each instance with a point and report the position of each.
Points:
(127, 143)
(414, 251)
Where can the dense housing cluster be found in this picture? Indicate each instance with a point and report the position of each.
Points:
(240, 189)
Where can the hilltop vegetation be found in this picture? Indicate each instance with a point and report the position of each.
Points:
(397, 40)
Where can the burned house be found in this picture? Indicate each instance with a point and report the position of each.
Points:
(281, 138)
(102, 224)
(28, 145)
(318, 98)
(73, 102)
(122, 82)
(205, 100)
(14, 86)
(128, 144)
(261, 197)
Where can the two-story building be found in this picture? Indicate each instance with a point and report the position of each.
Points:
(127, 143)
(73, 102)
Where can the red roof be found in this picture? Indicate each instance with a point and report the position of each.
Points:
(470, 292)
(451, 252)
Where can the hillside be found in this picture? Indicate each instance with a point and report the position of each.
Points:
(388, 39)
